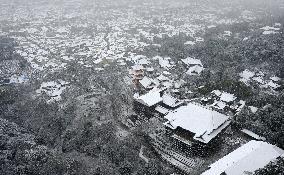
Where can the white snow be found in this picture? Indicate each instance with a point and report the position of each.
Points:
(273, 85)
(274, 78)
(199, 39)
(259, 79)
(170, 101)
(52, 89)
(166, 73)
(269, 28)
(18, 79)
(164, 63)
(248, 158)
(253, 135)
(146, 82)
(163, 78)
(191, 61)
(205, 123)
(227, 97)
(67, 58)
(157, 58)
(269, 32)
(253, 109)
(167, 84)
(162, 110)
(219, 105)
(211, 26)
(189, 43)
(217, 92)
(62, 30)
(137, 67)
(150, 69)
(143, 61)
(246, 74)
(227, 33)
(242, 105)
(151, 98)
(194, 70)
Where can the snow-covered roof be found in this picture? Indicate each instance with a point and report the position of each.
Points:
(151, 98)
(146, 82)
(227, 33)
(194, 70)
(227, 97)
(137, 67)
(219, 105)
(259, 79)
(246, 74)
(241, 106)
(273, 85)
(171, 101)
(166, 84)
(157, 57)
(248, 158)
(274, 78)
(179, 83)
(191, 61)
(253, 135)
(143, 61)
(166, 73)
(189, 43)
(199, 39)
(164, 63)
(269, 28)
(150, 69)
(217, 92)
(162, 110)
(205, 123)
(253, 109)
(269, 32)
(162, 78)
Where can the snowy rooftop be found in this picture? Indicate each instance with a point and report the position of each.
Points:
(171, 101)
(227, 97)
(151, 98)
(253, 135)
(191, 61)
(247, 158)
(205, 123)
(195, 70)
(147, 82)
(137, 67)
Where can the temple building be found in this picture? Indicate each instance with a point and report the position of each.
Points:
(195, 123)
